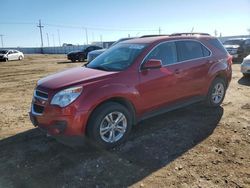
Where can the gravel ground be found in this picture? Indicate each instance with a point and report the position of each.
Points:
(190, 147)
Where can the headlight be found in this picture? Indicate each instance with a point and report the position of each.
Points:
(66, 96)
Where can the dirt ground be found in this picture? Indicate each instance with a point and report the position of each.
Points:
(189, 147)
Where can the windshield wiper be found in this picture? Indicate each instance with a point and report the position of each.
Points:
(100, 67)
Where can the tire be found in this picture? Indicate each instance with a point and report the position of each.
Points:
(73, 60)
(100, 121)
(246, 75)
(81, 58)
(216, 93)
(6, 60)
(20, 58)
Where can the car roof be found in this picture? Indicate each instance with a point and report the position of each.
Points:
(148, 40)
(238, 39)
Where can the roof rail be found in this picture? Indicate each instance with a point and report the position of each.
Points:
(145, 36)
(189, 34)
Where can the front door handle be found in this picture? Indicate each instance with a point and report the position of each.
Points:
(177, 71)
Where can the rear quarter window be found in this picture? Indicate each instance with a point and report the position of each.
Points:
(217, 45)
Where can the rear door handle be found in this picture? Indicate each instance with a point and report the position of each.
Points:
(177, 71)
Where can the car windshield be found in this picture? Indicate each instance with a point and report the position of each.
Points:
(117, 58)
(233, 42)
(3, 51)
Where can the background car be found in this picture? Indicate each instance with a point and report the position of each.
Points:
(245, 66)
(8, 55)
(81, 55)
(92, 55)
(238, 48)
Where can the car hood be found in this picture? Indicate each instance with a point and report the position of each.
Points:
(95, 52)
(247, 58)
(232, 46)
(74, 52)
(73, 76)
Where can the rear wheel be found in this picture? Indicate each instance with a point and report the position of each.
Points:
(216, 93)
(20, 58)
(81, 58)
(73, 60)
(109, 125)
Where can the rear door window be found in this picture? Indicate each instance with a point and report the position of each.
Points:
(188, 50)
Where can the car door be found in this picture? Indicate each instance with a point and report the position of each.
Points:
(247, 47)
(11, 55)
(89, 49)
(192, 69)
(15, 55)
(158, 87)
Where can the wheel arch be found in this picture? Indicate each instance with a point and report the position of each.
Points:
(120, 100)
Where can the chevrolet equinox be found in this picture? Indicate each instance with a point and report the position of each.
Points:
(132, 81)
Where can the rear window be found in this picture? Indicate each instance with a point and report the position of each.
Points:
(188, 50)
(218, 45)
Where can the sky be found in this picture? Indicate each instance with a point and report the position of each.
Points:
(73, 21)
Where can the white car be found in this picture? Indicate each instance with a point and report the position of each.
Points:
(245, 66)
(8, 55)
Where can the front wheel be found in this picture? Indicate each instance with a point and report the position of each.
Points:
(216, 93)
(109, 125)
(246, 75)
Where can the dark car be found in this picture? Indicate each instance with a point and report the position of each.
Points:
(82, 54)
(238, 48)
(131, 81)
(92, 55)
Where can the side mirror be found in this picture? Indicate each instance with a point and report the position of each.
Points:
(152, 64)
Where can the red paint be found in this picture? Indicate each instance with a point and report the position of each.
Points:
(145, 89)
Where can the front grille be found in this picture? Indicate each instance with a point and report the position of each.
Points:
(38, 109)
(41, 94)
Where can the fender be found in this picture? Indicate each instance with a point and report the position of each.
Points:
(217, 69)
(93, 98)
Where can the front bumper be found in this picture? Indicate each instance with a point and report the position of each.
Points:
(56, 121)
(245, 68)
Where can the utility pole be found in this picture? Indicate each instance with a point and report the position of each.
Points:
(2, 39)
(159, 30)
(47, 38)
(192, 30)
(41, 32)
(93, 37)
(215, 33)
(53, 37)
(87, 38)
(59, 39)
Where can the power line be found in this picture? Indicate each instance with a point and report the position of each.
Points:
(41, 33)
(80, 27)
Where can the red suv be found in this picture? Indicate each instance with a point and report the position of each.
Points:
(131, 81)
